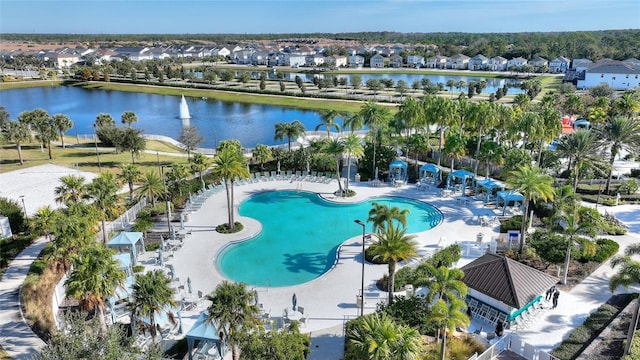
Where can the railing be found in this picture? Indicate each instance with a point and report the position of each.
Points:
(124, 220)
(516, 345)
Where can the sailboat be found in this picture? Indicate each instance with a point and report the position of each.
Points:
(184, 109)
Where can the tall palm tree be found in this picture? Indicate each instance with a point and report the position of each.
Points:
(151, 187)
(483, 116)
(94, 277)
(628, 268)
(18, 133)
(200, 163)
(619, 133)
(449, 315)
(374, 116)
(392, 247)
(150, 296)
(262, 153)
(455, 147)
(71, 190)
(627, 105)
(43, 221)
(570, 224)
(130, 174)
(534, 184)
(233, 310)
(103, 191)
(353, 147)
(289, 130)
(62, 123)
(40, 120)
(445, 284)
(378, 337)
(228, 165)
(129, 117)
(335, 148)
(410, 115)
(440, 111)
(353, 122)
(328, 121)
(382, 216)
(104, 120)
(581, 147)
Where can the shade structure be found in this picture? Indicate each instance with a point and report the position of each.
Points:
(508, 198)
(429, 170)
(398, 170)
(490, 186)
(581, 124)
(204, 331)
(460, 177)
(131, 241)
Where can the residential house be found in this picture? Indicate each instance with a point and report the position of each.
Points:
(260, 57)
(415, 61)
(559, 65)
(351, 51)
(478, 62)
(221, 51)
(356, 61)
(137, 53)
(294, 60)
(617, 74)
(584, 63)
(437, 62)
(336, 60)
(314, 60)
(632, 61)
(396, 61)
(160, 53)
(377, 61)
(243, 57)
(458, 62)
(103, 56)
(497, 63)
(538, 63)
(65, 60)
(305, 50)
(516, 62)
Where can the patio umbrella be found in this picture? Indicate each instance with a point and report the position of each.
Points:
(308, 167)
(189, 289)
(376, 177)
(294, 300)
(160, 258)
(278, 165)
(161, 243)
(181, 221)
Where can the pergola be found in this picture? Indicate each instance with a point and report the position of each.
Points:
(204, 331)
(130, 242)
(460, 177)
(508, 198)
(398, 170)
(433, 171)
(491, 187)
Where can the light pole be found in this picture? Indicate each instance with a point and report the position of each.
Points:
(24, 207)
(363, 259)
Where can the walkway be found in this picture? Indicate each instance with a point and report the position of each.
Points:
(16, 337)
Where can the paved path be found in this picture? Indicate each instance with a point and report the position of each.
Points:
(16, 337)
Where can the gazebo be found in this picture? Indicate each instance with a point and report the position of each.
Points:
(491, 187)
(204, 331)
(398, 170)
(131, 242)
(460, 177)
(508, 198)
(431, 171)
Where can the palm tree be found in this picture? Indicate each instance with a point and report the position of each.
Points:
(62, 123)
(103, 190)
(569, 222)
(150, 295)
(130, 174)
(129, 117)
(71, 190)
(581, 147)
(409, 115)
(151, 187)
(483, 116)
(262, 153)
(353, 148)
(445, 284)
(328, 120)
(439, 111)
(392, 247)
(378, 337)
(534, 184)
(374, 116)
(335, 148)
(449, 315)
(104, 120)
(233, 310)
(44, 221)
(618, 134)
(289, 130)
(382, 216)
(228, 165)
(455, 147)
(629, 268)
(18, 133)
(43, 124)
(94, 277)
(199, 164)
(627, 105)
(353, 122)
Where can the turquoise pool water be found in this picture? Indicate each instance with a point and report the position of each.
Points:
(301, 233)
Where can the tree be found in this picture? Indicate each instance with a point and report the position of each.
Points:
(44, 221)
(71, 190)
(43, 124)
(382, 216)
(378, 337)
(328, 120)
(4, 116)
(581, 147)
(229, 164)
(103, 190)
(130, 174)
(353, 122)
(335, 148)
(288, 344)
(455, 148)
(374, 85)
(129, 117)
(627, 105)
(262, 153)
(353, 148)
(233, 309)
(18, 133)
(190, 138)
(151, 187)
(618, 134)
(392, 247)
(103, 121)
(444, 284)
(199, 164)
(449, 315)
(534, 184)
(569, 222)
(94, 277)
(62, 123)
(150, 296)
(374, 116)
(289, 130)
(130, 140)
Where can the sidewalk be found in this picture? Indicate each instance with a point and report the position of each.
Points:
(16, 337)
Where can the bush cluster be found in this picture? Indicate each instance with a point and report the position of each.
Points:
(513, 223)
(419, 276)
(605, 248)
(13, 210)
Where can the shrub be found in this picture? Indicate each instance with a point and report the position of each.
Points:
(411, 311)
(224, 228)
(629, 186)
(446, 257)
(13, 210)
(605, 248)
(513, 223)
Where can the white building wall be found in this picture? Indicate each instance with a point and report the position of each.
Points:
(491, 301)
(615, 81)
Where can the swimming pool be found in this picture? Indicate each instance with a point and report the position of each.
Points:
(301, 233)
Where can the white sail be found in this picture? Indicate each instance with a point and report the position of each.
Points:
(184, 109)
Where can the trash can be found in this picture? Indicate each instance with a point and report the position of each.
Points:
(357, 177)
(479, 237)
(359, 301)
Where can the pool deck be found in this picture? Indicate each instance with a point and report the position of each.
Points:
(329, 300)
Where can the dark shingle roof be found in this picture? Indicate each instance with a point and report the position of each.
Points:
(506, 280)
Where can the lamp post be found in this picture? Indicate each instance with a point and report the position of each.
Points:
(24, 207)
(363, 259)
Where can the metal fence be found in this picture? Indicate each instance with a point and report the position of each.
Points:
(516, 345)
(124, 221)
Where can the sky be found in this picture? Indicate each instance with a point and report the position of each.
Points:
(308, 16)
